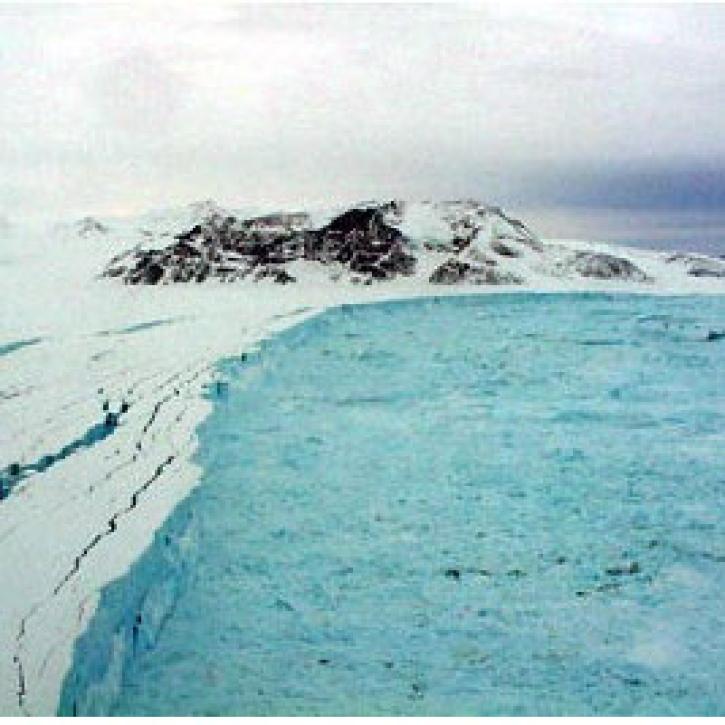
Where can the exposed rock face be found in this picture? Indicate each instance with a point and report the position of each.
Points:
(455, 271)
(606, 266)
(278, 274)
(153, 273)
(221, 247)
(462, 242)
(699, 265)
(706, 268)
(471, 225)
(505, 250)
(518, 232)
(283, 221)
(88, 226)
(360, 239)
(227, 248)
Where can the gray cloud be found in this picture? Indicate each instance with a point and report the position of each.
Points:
(114, 108)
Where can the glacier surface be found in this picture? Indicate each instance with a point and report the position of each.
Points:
(75, 346)
(473, 506)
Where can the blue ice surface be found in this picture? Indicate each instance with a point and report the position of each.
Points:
(500, 505)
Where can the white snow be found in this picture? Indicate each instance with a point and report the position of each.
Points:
(49, 395)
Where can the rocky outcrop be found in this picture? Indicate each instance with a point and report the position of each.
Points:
(699, 266)
(517, 231)
(471, 225)
(606, 266)
(220, 247)
(462, 242)
(276, 274)
(361, 240)
(707, 270)
(455, 271)
(504, 250)
(227, 248)
(89, 226)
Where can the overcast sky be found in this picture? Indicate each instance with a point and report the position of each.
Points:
(115, 109)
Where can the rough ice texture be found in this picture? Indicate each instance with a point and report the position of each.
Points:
(482, 506)
(69, 528)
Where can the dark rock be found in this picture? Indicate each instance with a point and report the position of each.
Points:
(713, 335)
(454, 271)
(504, 249)
(192, 233)
(202, 272)
(152, 273)
(228, 249)
(279, 221)
(453, 574)
(360, 239)
(14, 469)
(606, 266)
(364, 239)
(458, 244)
(417, 691)
(284, 277)
(277, 274)
(521, 233)
(184, 249)
(88, 225)
(704, 269)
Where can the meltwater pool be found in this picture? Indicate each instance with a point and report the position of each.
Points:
(500, 505)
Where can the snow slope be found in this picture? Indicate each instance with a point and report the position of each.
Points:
(85, 493)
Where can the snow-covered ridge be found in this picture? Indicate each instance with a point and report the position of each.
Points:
(85, 494)
(443, 242)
